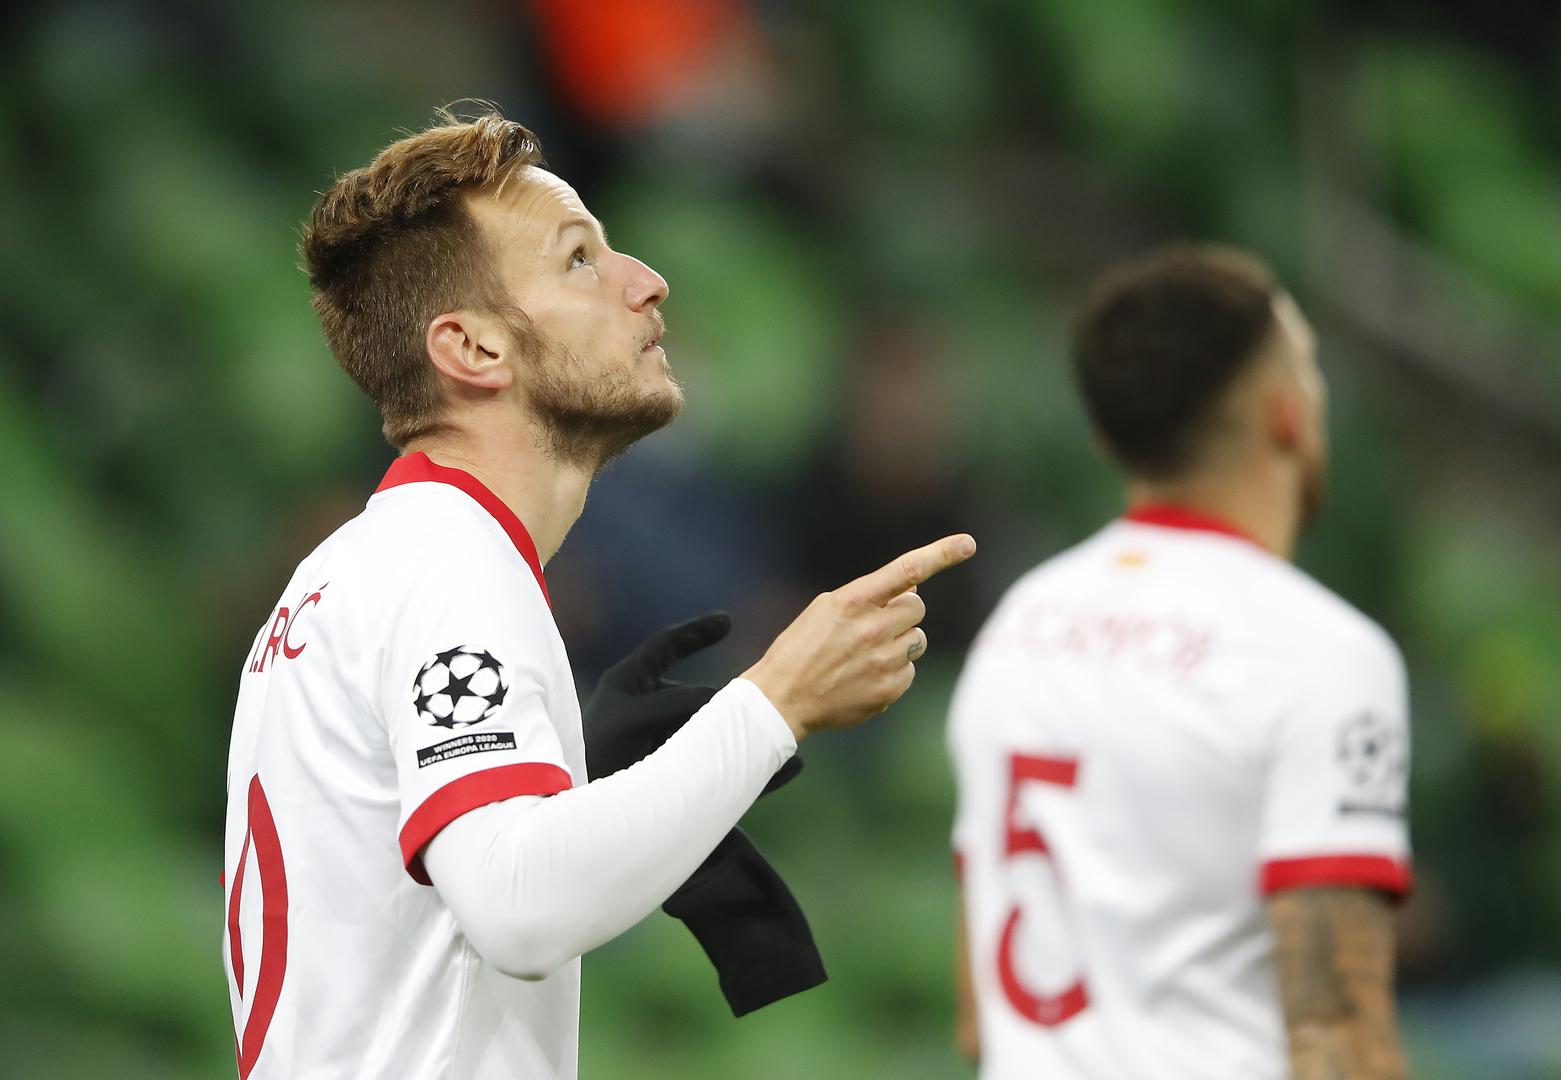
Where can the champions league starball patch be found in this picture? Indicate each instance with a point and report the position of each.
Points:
(460, 686)
(1374, 758)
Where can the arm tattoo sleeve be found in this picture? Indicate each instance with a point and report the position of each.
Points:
(1333, 953)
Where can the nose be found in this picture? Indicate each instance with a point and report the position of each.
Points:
(645, 288)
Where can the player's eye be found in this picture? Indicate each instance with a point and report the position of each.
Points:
(578, 258)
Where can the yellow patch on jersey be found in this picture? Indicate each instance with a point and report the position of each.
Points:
(1131, 560)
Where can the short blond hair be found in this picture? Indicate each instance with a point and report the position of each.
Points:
(392, 245)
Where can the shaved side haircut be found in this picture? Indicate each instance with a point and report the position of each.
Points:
(392, 245)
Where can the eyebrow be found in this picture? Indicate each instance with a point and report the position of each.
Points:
(583, 223)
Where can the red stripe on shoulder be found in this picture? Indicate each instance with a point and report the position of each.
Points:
(468, 793)
(418, 468)
(1366, 871)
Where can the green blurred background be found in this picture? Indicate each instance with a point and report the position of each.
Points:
(876, 218)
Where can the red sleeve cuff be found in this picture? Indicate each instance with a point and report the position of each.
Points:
(468, 793)
(1366, 871)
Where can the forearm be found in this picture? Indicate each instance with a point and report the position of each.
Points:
(534, 883)
(967, 1025)
(1335, 1053)
(1360, 1044)
(1334, 958)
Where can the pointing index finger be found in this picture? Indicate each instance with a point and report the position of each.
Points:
(911, 569)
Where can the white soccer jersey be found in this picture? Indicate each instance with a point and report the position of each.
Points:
(1154, 731)
(411, 672)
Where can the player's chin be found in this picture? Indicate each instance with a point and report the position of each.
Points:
(667, 397)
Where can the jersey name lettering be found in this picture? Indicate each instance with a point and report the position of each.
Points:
(279, 638)
(1157, 642)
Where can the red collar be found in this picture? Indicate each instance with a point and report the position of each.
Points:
(417, 468)
(1170, 516)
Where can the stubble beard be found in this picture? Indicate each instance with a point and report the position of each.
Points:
(588, 420)
(1313, 493)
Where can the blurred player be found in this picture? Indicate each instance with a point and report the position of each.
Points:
(407, 717)
(1181, 761)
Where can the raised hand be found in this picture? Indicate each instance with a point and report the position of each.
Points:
(852, 652)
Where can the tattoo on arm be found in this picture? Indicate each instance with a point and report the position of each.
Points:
(1333, 952)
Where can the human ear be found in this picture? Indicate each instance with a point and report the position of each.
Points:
(466, 348)
(1284, 418)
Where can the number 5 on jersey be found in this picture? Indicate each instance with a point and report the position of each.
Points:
(1019, 841)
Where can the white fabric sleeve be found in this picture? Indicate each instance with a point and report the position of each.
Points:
(463, 676)
(535, 882)
(1334, 808)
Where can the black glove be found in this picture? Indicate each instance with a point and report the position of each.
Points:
(749, 925)
(636, 707)
(735, 904)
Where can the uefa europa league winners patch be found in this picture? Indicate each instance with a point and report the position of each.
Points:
(460, 686)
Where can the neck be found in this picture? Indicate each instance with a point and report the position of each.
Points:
(1260, 502)
(547, 494)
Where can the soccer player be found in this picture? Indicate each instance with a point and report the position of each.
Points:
(1181, 761)
(415, 859)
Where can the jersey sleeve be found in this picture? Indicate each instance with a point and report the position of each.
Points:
(991, 687)
(463, 690)
(1334, 807)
